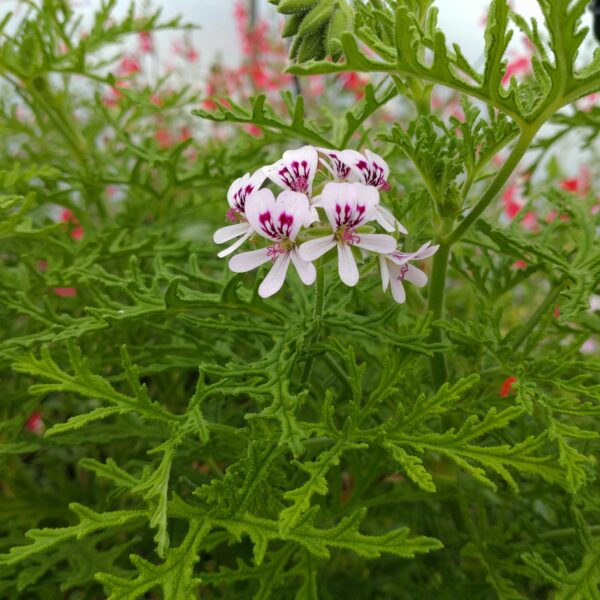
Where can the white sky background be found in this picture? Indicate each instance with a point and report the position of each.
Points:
(459, 19)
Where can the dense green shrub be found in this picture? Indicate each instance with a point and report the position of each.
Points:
(167, 432)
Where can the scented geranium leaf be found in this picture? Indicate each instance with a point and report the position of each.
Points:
(270, 575)
(581, 584)
(154, 487)
(89, 522)
(412, 466)
(245, 482)
(79, 421)
(439, 403)
(85, 383)
(475, 459)
(174, 576)
(344, 535)
(558, 82)
(315, 484)
(110, 470)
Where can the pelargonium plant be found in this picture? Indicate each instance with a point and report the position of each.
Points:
(293, 228)
(174, 427)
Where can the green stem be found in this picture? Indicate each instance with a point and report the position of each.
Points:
(317, 318)
(439, 369)
(537, 315)
(497, 184)
(437, 288)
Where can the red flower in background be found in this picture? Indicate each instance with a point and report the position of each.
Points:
(73, 226)
(506, 386)
(146, 43)
(34, 423)
(519, 66)
(128, 66)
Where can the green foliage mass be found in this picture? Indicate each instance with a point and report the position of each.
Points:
(201, 442)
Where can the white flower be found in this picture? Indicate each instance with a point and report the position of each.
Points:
(339, 170)
(295, 171)
(371, 169)
(395, 269)
(237, 196)
(348, 206)
(279, 221)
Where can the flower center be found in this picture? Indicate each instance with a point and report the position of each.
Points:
(299, 184)
(277, 248)
(347, 235)
(233, 215)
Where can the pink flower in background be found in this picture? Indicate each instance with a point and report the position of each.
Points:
(72, 224)
(580, 184)
(506, 386)
(128, 66)
(521, 65)
(65, 292)
(35, 424)
(146, 43)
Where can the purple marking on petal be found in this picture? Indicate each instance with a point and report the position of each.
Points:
(240, 197)
(276, 230)
(295, 176)
(403, 272)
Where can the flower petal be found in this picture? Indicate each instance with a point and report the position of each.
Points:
(314, 249)
(347, 265)
(236, 245)
(241, 189)
(385, 273)
(388, 221)
(295, 171)
(230, 232)
(280, 218)
(398, 292)
(416, 276)
(246, 261)
(377, 242)
(275, 277)
(260, 203)
(306, 270)
(349, 204)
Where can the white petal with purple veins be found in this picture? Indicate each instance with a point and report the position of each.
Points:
(377, 242)
(306, 270)
(314, 249)
(275, 277)
(235, 246)
(349, 204)
(347, 265)
(242, 188)
(425, 251)
(398, 292)
(277, 218)
(230, 232)
(247, 261)
(295, 171)
(415, 276)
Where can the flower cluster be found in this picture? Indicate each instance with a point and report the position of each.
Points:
(294, 229)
